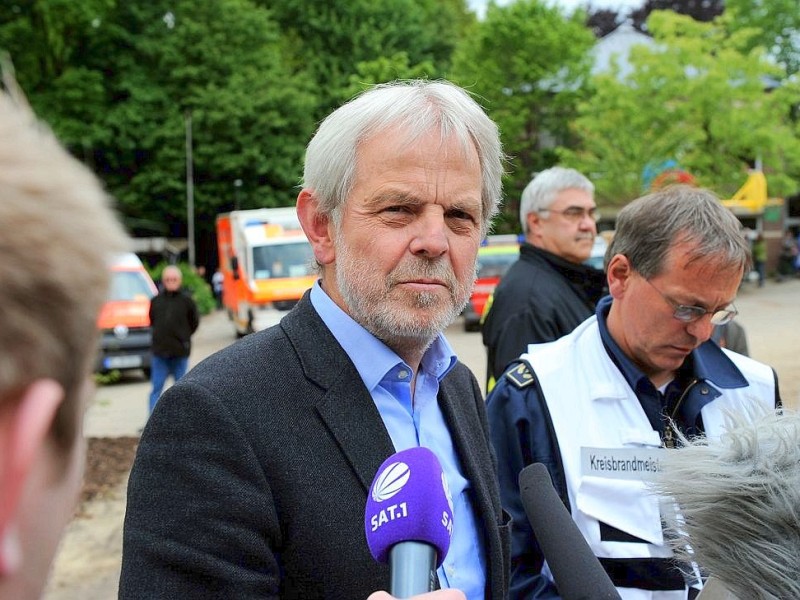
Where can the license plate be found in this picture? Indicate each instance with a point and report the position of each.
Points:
(122, 362)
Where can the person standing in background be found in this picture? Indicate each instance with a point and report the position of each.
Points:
(548, 291)
(58, 235)
(217, 280)
(759, 249)
(173, 318)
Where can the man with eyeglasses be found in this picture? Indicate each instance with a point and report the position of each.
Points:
(548, 291)
(598, 406)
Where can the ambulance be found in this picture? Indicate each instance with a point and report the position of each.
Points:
(124, 320)
(266, 262)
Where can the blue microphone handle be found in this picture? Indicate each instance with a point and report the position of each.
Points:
(413, 569)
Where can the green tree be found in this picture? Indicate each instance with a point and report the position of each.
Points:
(220, 63)
(778, 22)
(334, 40)
(47, 42)
(527, 62)
(697, 97)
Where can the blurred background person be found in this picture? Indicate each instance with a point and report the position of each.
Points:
(548, 291)
(731, 335)
(759, 249)
(173, 318)
(57, 236)
(217, 280)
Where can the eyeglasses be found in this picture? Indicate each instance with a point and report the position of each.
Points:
(690, 314)
(575, 213)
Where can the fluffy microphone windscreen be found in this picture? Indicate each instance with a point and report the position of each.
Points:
(738, 498)
(409, 501)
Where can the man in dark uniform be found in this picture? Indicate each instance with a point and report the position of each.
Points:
(549, 290)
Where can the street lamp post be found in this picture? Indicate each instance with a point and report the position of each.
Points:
(237, 185)
(189, 187)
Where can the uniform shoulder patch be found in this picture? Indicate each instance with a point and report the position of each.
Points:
(521, 375)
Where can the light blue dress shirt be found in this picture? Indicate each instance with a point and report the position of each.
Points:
(412, 424)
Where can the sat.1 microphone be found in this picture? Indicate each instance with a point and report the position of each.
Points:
(409, 520)
(577, 572)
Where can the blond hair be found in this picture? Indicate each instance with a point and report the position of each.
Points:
(57, 234)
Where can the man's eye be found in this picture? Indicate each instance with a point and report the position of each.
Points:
(460, 214)
(397, 209)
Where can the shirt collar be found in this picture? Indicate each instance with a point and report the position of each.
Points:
(709, 362)
(371, 357)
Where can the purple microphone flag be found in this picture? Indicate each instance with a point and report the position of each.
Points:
(409, 501)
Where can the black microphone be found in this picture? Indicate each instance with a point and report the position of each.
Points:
(577, 572)
(409, 520)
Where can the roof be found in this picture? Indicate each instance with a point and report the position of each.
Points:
(618, 44)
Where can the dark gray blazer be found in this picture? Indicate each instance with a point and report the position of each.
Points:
(251, 476)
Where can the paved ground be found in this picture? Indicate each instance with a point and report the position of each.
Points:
(88, 563)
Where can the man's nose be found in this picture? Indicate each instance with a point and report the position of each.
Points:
(430, 235)
(701, 329)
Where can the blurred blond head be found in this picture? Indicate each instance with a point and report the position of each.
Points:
(57, 234)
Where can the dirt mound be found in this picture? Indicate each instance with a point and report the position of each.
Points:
(108, 462)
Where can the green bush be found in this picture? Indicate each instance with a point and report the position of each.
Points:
(194, 283)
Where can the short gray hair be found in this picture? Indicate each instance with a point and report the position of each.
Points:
(418, 107)
(650, 226)
(542, 190)
(739, 499)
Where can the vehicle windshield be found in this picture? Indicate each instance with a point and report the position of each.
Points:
(129, 285)
(282, 260)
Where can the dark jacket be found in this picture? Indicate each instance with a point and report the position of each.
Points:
(252, 474)
(173, 318)
(541, 298)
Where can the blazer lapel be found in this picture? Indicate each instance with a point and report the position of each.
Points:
(346, 408)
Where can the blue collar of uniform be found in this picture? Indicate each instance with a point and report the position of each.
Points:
(710, 362)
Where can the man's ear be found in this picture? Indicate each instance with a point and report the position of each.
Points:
(317, 226)
(533, 219)
(619, 273)
(25, 425)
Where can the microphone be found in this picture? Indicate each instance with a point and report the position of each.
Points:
(576, 570)
(409, 520)
(738, 495)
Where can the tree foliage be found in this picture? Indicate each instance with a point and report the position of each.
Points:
(121, 81)
(526, 62)
(778, 26)
(332, 38)
(698, 97)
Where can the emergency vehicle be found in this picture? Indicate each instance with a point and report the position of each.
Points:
(266, 262)
(124, 319)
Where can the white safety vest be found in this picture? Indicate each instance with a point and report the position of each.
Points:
(608, 446)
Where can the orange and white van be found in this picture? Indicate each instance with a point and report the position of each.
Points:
(266, 263)
(124, 320)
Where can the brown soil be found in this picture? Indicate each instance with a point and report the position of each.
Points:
(108, 463)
